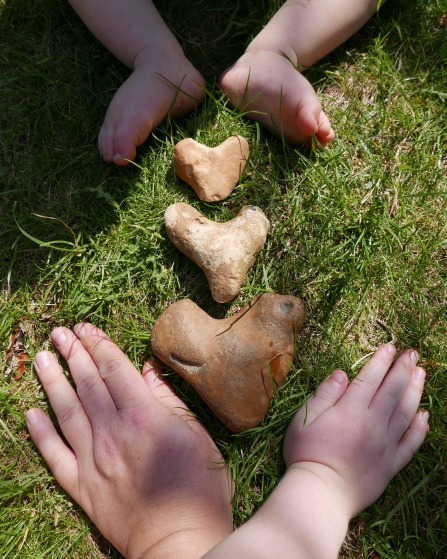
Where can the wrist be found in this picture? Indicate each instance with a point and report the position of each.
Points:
(306, 499)
(187, 544)
(328, 481)
(189, 538)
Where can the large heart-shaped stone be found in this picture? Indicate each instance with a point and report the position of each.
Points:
(235, 363)
(212, 172)
(224, 251)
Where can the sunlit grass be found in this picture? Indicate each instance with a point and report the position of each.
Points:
(359, 232)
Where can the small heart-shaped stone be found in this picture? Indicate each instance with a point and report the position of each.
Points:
(212, 172)
(235, 363)
(224, 251)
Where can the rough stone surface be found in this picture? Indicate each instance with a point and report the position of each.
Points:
(212, 172)
(235, 363)
(224, 251)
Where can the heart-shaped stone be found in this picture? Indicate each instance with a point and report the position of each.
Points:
(212, 172)
(224, 251)
(235, 363)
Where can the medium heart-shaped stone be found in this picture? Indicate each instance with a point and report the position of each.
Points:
(235, 363)
(212, 172)
(224, 251)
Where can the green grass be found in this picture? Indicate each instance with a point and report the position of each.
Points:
(359, 232)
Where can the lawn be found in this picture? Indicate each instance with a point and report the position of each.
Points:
(359, 232)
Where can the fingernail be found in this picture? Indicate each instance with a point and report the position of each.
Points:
(58, 336)
(415, 355)
(32, 417)
(117, 156)
(391, 348)
(41, 361)
(80, 332)
(419, 373)
(338, 377)
(424, 415)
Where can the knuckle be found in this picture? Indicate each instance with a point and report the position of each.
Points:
(394, 392)
(68, 413)
(111, 368)
(406, 414)
(136, 418)
(87, 385)
(324, 394)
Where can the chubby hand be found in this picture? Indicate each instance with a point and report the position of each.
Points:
(357, 436)
(143, 469)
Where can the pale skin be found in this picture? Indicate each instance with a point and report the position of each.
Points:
(152, 480)
(144, 470)
(266, 82)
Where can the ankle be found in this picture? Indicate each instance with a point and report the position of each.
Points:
(279, 47)
(153, 55)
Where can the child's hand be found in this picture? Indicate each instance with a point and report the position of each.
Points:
(357, 437)
(144, 470)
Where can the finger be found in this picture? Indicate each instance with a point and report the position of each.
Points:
(163, 391)
(165, 394)
(70, 414)
(60, 459)
(326, 396)
(412, 439)
(394, 384)
(362, 389)
(408, 405)
(126, 386)
(91, 389)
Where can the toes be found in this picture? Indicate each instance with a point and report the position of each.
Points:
(106, 137)
(123, 143)
(327, 395)
(325, 133)
(412, 439)
(117, 143)
(308, 114)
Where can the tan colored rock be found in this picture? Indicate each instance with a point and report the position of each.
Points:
(212, 172)
(224, 251)
(235, 363)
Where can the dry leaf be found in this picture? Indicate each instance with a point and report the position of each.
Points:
(16, 353)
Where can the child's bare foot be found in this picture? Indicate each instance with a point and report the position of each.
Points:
(145, 471)
(267, 86)
(145, 99)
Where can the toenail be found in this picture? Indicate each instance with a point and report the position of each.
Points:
(338, 377)
(58, 336)
(41, 361)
